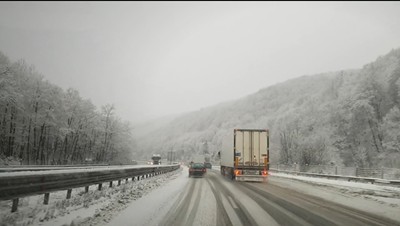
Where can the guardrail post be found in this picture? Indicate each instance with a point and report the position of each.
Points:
(69, 191)
(110, 184)
(126, 180)
(100, 185)
(119, 182)
(46, 198)
(14, 205)
(86, 189)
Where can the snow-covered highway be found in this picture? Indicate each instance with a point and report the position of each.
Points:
(176, 199)
(214, 200)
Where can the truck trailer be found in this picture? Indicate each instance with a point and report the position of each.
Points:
(245, 155)
(156, 159)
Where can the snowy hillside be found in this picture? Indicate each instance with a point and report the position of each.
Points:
(348, 117)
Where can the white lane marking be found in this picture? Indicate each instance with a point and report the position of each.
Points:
(231, 213)
(232, 202)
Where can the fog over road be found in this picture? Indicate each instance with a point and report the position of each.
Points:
(214, 200)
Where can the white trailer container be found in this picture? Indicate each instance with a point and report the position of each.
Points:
(245, 155)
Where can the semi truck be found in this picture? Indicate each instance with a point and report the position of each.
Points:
(156, 159)
(245, 155)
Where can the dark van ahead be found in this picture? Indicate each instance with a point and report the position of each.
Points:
(197, 169)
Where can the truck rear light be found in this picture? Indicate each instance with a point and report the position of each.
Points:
(238, 172)
(264, 173)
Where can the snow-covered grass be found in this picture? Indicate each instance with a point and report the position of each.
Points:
(82, 207)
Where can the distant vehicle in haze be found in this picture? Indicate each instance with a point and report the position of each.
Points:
(197, 169)
(205, 159)
(156, 159)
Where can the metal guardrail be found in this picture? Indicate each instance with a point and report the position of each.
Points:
(17, 168)
(17, 186)
(381, 172)
(348, 178)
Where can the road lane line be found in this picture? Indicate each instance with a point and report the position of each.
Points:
(230, 211)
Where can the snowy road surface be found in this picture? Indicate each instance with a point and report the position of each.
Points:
(175, 199)
(214, 200)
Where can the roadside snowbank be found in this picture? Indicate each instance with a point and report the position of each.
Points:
(83, 208)
(377, 199)
(383, 190)
(151, 208)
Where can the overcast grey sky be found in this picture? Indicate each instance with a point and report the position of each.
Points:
(158, 58)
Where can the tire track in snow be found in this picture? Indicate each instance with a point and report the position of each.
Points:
(281, 215)
(177, 216)
(222, 216)
(242, 213)
(195, 207)
(315, 210)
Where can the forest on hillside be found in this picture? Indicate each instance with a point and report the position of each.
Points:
(40, 123)
(347, 118)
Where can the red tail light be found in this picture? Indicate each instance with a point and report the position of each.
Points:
(264, 173)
